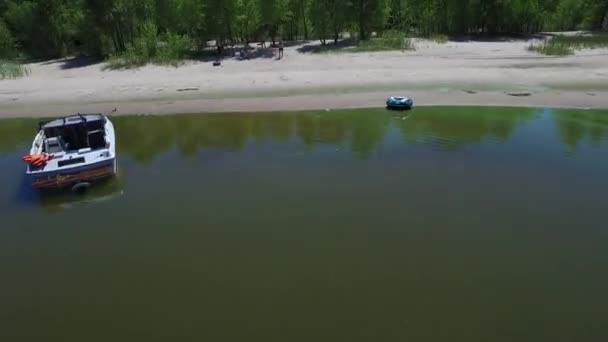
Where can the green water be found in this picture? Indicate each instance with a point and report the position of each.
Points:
(441, 224)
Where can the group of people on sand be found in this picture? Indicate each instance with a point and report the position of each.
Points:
(244, 52)
(279, 45)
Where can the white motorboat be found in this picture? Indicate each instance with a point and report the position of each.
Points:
(72, 151)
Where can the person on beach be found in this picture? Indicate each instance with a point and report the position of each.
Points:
(280, 49)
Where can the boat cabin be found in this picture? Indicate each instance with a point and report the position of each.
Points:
(74, 133)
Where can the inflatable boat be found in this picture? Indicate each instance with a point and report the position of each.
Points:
(398, 102)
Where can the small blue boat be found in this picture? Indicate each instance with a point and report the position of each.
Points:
(399, 102)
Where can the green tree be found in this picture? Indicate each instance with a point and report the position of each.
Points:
(7, 42)
(119, 20)
(190, 20)
(47, 28)
(320, 19)
(567, 15)
(247, 19)
(221, 22)
(52, 28)
(340, 19)
(22, 19)
(596, 15)
(370, 15)
(273, 14)
(398, 18)
(330, 18)
(301, 8)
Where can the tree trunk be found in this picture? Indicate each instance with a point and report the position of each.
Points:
(119, 37)
(362, 31)
(304, 20)
(114, 42)
(336, 35)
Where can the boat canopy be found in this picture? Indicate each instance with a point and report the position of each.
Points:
(76, 132)
(75, 120)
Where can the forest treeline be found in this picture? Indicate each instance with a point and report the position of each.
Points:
(53, 28)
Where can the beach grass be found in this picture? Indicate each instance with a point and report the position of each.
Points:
(551, 49)
(582, 41)
(564, 45)
(390, 40)
(439, 38)
(131, 60)
(12, 70)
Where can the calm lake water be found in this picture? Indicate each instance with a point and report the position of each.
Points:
(441, 224)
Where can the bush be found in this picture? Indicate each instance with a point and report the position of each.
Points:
(390, 40)
(582, 41)
(550, 49)
(12, 70)
(150, 47)
(173, 47)
(8, 52)
(7, 42)
(439, 38)
(562, 45)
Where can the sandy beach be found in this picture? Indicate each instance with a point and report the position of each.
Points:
(454, 73)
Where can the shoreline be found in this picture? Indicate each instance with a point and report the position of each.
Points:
(450, 74)
(185, 105)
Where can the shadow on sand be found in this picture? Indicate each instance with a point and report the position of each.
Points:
(329, 46)
(235, 53)
(75, 62)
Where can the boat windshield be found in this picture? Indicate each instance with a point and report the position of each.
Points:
(76, 135)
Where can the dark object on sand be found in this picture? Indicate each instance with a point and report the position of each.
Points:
(519, 94)
(399, 102)
(244, 54)
(217, 63)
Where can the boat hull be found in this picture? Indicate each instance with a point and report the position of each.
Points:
(399, 103)
(58, 179)
(398, 107)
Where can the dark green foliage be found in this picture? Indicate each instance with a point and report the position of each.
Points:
(568, 15)
(330, 18)
(152, 46)
(7, 42)
(123, 28)
(273, 15)
(43, 29)
(369, 15)
(247, 19)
